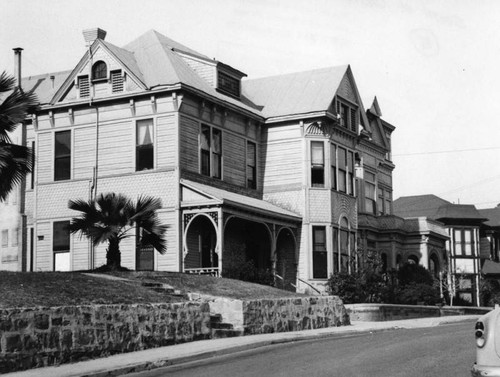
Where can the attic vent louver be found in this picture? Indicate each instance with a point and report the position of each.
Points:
(90, 35)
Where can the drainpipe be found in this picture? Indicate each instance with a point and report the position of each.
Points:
(21, 190)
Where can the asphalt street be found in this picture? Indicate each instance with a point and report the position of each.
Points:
(446, 350)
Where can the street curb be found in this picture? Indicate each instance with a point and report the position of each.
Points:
(222, 349)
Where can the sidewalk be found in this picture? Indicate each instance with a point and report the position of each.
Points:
(177, 354)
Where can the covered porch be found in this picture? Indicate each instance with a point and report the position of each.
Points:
(233, 235)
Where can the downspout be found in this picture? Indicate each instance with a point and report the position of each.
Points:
(93, 183)
(21, 190)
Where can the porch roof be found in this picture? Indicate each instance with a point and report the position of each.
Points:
(213, 195)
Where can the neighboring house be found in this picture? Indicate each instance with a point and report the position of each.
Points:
(490, 243)
(268, 170)
(462, 224)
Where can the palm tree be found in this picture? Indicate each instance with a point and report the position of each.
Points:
(112, 217)
(15, 160)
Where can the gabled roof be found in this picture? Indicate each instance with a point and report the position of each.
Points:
(44, 87)
(418, 206)
(295, 93)
(433, 207)
(493, 216)
(240, 201)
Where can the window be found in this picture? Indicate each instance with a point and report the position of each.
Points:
(342, 166)
(15, 237)
(348, 116)
(251, 165)
(320, 267)
(370, 203)
(144, 153)
(350, 172)
(211, 151)
(5, 238)
(228, 84)
(333, 164)
(32, 180)
(464, 242)
(317, 164)
(84, 86)
(62, 156)
(347, 243)
(335, 248)
(61, 245)
(116, 81)
(384, 202)
(99, 70)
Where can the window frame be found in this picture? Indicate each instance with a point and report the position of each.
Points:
(228, 84)
(318, 168)
(97, 67)
(141, 148)
(62, 156)
(251, 170)
(348, 114)
(58, 249)
(211, 153)
(319, 262)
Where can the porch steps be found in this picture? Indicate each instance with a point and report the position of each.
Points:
(222, 329)
(163, 288)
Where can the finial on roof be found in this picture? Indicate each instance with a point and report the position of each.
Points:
(90, 35)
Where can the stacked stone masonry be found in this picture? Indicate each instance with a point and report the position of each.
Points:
(38, 337)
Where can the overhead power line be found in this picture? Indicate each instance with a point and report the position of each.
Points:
(448, 151)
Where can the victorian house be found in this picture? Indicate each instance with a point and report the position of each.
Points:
(274, 170)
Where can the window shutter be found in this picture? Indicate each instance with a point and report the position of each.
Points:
(116, 82)
(84, 87)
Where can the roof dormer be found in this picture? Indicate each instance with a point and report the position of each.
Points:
(229, 80)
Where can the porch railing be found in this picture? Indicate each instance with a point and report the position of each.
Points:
(212, 271)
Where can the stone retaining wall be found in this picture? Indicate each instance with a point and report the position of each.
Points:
(391, 312)
(39, 337)
(292, 314)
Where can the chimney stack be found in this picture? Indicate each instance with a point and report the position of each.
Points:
(90, 35)
(17, 65)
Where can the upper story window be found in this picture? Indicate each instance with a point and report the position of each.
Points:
(370, 199)
(464, 242)
(251, 165)
(228, 84)
(144, 151)
(317, 164)
(5, 238)
(99, 71)
(384, 202)
(211, 151)
(83, 86)
(62, 156)
(348, 115)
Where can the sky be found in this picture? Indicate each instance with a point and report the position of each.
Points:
(433, 65)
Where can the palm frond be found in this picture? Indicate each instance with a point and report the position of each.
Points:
(7, 82)
(15, 163)
(14, 110)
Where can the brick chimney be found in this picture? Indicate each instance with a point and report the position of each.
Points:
(90, 35)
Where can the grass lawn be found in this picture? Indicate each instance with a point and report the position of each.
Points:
(28, 289)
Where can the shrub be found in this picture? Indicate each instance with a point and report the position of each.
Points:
(415, 293)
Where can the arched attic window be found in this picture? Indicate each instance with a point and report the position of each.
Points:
(99, 70)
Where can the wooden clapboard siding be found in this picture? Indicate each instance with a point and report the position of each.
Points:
(116, 148)
(45, 156)
(170, 260)
(80, 252)
(189, 133)
(166, 141)
(44, 257)
(283, 163)
(127, 248)
(84, 153)
(101, 89)
(233, 151)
